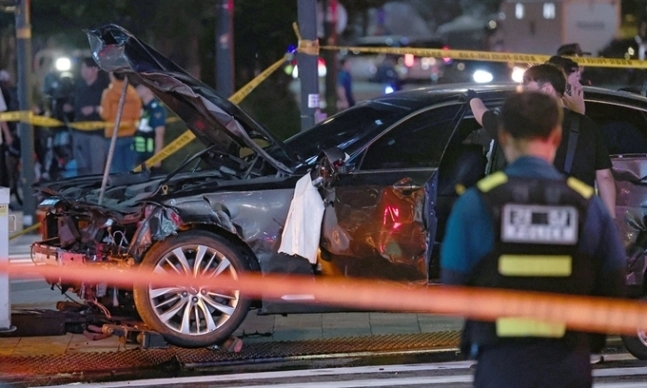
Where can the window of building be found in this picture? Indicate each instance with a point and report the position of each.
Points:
(549, 10)
(519, 10)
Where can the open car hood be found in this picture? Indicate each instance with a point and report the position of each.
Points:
(212, 118)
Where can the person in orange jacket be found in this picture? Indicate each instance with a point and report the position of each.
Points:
(123, 159)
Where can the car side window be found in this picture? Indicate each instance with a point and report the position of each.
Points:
(624, 130)
(417, 142)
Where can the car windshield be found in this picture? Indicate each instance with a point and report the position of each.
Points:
(347, 130)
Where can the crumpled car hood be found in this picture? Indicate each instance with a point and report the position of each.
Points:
(212, 118)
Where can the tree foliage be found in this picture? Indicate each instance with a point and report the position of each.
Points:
(184, 30)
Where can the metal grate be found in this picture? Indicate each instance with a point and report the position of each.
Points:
(17, 368)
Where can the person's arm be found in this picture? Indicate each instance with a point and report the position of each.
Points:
(485, 117)
(478, 109)
(8, 139)
(603, 175)
(607, 189)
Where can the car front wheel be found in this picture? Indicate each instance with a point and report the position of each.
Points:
(193, 316)
(637, 345)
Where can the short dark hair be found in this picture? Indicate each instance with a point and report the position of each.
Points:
(529, 115)
(547, 73)
(89, 62)
(567, 65)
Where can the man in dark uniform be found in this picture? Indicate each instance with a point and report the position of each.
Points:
(149, 138)
(530, 228)
(582, 153)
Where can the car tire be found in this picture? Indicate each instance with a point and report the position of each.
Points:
(218, 313)
(636, 345)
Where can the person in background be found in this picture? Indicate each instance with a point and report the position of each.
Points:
(149, 138)
(530, 228)
(582, 153)
(574, 50)
(573, 97)
(344, 86)
(124, 156)
(6, 139)
(88, 145)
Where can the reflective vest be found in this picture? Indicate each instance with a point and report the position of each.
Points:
(538, 225)
(144, 141)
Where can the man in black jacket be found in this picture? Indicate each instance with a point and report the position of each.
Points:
(582, 152)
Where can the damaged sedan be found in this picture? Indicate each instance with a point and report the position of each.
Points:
(378, 182)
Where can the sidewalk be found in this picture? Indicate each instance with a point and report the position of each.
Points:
(255, 328)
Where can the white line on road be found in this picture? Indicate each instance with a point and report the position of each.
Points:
(360, 381)
(465, 365)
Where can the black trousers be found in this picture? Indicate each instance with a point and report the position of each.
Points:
(533, 365)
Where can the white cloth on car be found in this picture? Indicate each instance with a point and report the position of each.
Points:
(302, 230)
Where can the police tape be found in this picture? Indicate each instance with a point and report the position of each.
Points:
(595, 314)
(235, 98)
(471, 55)
(169, 149)
(25, 231)
(44, 121)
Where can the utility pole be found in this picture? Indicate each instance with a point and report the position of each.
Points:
(307, 19)
(329, 56)
(23, 49)
(225, 47)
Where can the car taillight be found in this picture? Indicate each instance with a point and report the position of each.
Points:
(446, 60)
(408, 60)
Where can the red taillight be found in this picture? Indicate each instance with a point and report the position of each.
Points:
(408, 60)
(446, 60)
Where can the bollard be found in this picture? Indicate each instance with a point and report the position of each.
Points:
(5, 302)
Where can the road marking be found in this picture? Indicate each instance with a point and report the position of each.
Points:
(21, 259)
(444, 366)
(369, 380)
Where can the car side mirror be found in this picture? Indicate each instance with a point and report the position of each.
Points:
(329, 164)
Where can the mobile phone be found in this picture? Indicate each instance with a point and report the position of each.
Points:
(568, 89)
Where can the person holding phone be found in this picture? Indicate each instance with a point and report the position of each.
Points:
(573, 97)
(582, 153)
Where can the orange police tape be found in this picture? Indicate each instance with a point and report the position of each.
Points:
(577, 312)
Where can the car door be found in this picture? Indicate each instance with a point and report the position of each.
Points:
(379, 222)
(624, 130)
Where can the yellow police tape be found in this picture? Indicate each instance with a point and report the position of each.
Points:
(470, 55)
(44, 121)
(235, 98)
(172, 147)
(585, 313)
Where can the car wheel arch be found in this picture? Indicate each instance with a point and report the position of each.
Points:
(236, 253)
(235, 239)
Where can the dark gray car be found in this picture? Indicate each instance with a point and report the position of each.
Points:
(387, 171)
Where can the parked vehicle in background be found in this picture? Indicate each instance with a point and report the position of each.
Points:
(625, 48)
(383, 67)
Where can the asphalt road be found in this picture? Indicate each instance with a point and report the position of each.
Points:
(620, 371)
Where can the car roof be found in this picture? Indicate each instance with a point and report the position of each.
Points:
(426, 96)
